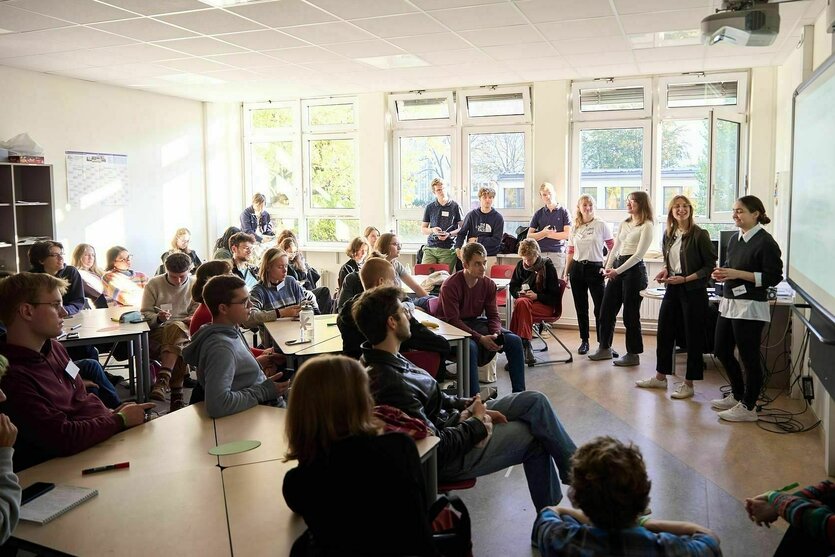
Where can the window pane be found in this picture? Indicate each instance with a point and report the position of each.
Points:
(497, 160)
(422, 159)
(611, 98)
(333, 174)
(331, 114)
(332, 229)
(611, 164)
(718, 93)
(422, 109)
(496, 105)
(272, 118)
(726, 180)
(408, 232)
(281, 223)
(684, 163)
(272, 172)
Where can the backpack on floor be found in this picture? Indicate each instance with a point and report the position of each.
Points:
(451, 527)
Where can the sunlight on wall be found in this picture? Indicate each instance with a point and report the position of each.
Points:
(174, 151)
(96, 197)
(107, 231)
(177, 203)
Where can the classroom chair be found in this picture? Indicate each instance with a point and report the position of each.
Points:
(502, 271)
(544, 326)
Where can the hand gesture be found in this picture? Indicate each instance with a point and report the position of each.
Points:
(488, 342)
(437, 230)
(163, 316)
(267, 363)
(135, 413)
(760, 511)
(610, 274)
(8, 432)
(662, 276)
(291, 311)
(676, 279)
(721, 274)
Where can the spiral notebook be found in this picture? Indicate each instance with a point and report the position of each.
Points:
(56, 502)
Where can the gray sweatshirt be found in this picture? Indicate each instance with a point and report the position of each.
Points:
(9, 495)
(227, 370)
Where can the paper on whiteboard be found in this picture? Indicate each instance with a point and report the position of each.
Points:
(96, 179)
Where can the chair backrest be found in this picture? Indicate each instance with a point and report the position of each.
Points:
(427, 361)
(558, 305)
(432, 305)
(429, 268)
(502, 271)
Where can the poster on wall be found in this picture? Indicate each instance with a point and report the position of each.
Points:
(96, 179)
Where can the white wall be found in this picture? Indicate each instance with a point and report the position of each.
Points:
(162, 137)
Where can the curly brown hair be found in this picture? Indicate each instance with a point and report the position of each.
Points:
(609, 483)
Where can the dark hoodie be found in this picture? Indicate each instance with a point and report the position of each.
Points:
(227, 370)
(487, 227)
(53, 413)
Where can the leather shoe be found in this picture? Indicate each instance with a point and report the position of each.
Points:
(584, 348)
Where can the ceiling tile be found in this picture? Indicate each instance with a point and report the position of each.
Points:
(13, 19)
(235, 75)
(303, 55)
(246, 60)
(74, 38)
(513, 34)
(430, 43)
(671, 66)
(45, 62)
(533, 50)
(367, 49)
(200, 46)
(262, 40)
(689, 52)
(345, 66)
(141, 70)
(540, 11)
(328, 33)
(546, 74)
(600, 58)
(140, 52)
(624, 7)
(400, 25)
(677, 20)
(594, 72)
(455, 57)
(77, 11)
(738, 62)
(283, 14)
(154, 7)
(144, 29)
(580, 28)
(194, 65)
(440, 4)
(601, 44)
(352, 9)
(211, 22)
(550, 62)
(481, 17)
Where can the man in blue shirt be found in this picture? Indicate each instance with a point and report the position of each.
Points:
(441, 222)
(484, 225)
(550, 226)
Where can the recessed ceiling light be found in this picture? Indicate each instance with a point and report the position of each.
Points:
(666, 38)
(225, 3)
(395, 61)
(191, 79)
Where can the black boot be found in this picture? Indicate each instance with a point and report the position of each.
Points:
(584, 347)
(530, 359)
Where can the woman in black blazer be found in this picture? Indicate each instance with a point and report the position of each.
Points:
(689, 258)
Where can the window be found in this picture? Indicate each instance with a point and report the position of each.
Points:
(716, 93)
(423, 109)
(607, 99)
(303, 156)
(496, 105)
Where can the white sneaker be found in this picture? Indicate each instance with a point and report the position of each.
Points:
(739, 413)
(652, 383)
(683, 391)
(724, 403)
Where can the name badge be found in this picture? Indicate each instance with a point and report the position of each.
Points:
(72, 369)
(739, 290)
(444, 213)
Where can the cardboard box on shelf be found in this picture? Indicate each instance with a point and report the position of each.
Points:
(27, 159)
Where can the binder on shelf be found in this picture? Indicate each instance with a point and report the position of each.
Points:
(56, 502)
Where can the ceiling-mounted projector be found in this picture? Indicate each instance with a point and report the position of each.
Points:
(743, 23)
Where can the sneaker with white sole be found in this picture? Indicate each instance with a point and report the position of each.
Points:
(724, 403)
(739, 413)
(652, 383)
(683, 391)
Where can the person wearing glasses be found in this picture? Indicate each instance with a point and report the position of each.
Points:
(441, 222)
(241, 245)
(180, 244)
(48, 257)
(232, 378)
(122, 284)
(389, 245)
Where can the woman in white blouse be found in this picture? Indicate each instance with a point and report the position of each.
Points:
(627, 276)
(584, 265)
(689, 258)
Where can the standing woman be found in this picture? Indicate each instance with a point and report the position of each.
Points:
(689, 258)
(180, 244)
(84, 259)
(584, 265)
(627, 276)
(754, 264)
(389, 245)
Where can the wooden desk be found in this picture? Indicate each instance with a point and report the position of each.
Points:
(261, 423)
(286, 328)
(97, 326)
(458, 338)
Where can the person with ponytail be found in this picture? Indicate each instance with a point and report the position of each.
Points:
(754, 264)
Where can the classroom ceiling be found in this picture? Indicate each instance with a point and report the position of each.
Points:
(273, 49)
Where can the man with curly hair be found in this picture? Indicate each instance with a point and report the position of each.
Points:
(610, 488)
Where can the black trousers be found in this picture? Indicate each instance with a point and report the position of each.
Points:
(586, 278)
(625, 290)
(682, 309)
(745, 335)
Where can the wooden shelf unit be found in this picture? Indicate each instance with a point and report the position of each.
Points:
(31, 184)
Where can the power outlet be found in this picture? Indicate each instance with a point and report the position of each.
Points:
(808, 388)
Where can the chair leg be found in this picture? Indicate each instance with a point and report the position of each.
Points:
(547, 327)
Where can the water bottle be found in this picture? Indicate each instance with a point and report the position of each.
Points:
(306, 321)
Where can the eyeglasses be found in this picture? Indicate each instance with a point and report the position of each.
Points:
(243, 302)
(55, 305)
(56, 255)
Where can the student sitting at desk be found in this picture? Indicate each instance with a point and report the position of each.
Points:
(306, 275)
(222, 250)
(389, 245)
(356, 251)
(352, 285)
(360, 492)
(232, 378)
(9, 486)
(240, 245)
(122, 284)
(48, 257)
(46, 397)
(180, 244)
(84, 259)
(525, 429)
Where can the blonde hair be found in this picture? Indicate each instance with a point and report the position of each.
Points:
(672, 223)
(436, 182)
(266, 260)
(259, 199)
(486, 190)
(356, 245)
(331, 401)
(78, 253)
(180, 232)
(578, 213)
(548, 186)
(24, 288)
(528, 247)
(285, 243)
(384, 243)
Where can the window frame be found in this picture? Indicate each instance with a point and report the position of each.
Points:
(467, 120)
(665, 112)
(318, 212)
(717, 216)
(399, 124)
(628, 114)
(307, 104)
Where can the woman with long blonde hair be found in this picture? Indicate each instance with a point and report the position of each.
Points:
(180, 243)
(349, 469)
(84, 259)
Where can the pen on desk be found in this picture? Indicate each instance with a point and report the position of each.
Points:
(788, 487)
(117, 466)
(74, 327)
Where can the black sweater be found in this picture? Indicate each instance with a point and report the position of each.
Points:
(547, 295)
(697, 256)
(760, 254)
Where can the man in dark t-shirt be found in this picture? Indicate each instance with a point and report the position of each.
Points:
(441, 222)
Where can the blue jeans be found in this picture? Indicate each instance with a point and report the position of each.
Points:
(91, 370)
(515, 356)
(533, 437)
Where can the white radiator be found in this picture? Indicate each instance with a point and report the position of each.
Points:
(649, 309)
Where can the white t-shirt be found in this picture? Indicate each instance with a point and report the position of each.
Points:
(674, 255)
(588, 239)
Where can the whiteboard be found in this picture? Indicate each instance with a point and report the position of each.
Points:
(95, 179)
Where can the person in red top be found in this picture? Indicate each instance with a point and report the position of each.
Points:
(46, 398)
(464, 297)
